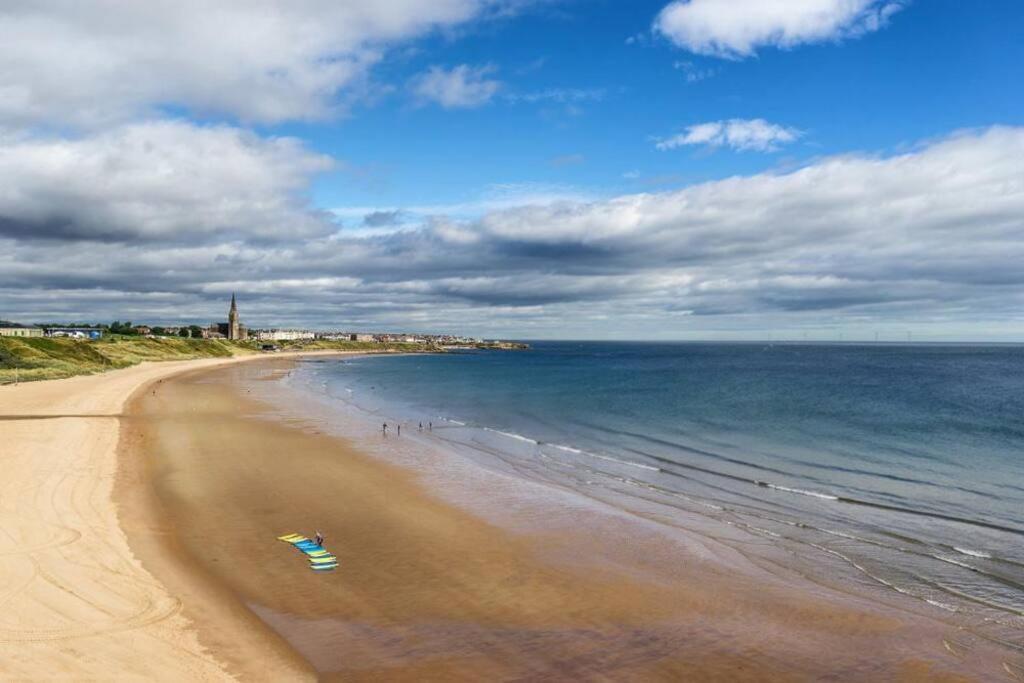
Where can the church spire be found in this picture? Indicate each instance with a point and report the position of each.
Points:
(233, 306)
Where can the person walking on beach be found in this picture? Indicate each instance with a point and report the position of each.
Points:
(430, 426)
(421, 427)
(385, 429)
(399, 428)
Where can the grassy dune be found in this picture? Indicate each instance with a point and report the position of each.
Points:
(27, 359)
(36, 358)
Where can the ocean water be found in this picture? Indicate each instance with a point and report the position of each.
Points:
(901, 466)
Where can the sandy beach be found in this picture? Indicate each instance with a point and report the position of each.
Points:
(74, 601)
(428, 590)
(159, 560)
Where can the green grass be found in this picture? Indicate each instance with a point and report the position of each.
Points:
(27, 359)
(36, 358)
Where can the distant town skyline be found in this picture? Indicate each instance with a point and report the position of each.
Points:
(531, 169)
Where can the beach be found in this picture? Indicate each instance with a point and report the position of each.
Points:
(141, 513)
(74, 601)
(429, 590)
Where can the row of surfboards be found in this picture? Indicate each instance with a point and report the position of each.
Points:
(319, 559)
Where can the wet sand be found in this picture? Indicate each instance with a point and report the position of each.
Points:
(428, 591)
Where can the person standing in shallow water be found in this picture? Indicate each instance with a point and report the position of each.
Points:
(399, 428)
(385, 429)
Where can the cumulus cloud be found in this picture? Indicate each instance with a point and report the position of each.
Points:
(166, 180)
(461, 87)
(739, 134)
(931, 235)
(735, 29)
(108, 60)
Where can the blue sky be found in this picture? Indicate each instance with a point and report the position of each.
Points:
(673, 169)
(938, 66)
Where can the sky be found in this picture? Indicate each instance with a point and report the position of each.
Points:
(576, 169)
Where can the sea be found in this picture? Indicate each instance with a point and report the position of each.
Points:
(897, 468)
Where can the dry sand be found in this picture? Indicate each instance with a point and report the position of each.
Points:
(200, 589)
(74, 602)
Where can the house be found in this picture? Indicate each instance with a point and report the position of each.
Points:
(9, 329)
(283, 335)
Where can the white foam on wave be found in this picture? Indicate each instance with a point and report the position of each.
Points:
(973, 553)
(511, 435)
(802, 492)
(842, 534)
(454, 422)
(951, 560)
(941, 605)
(628, 463)
(767, 532)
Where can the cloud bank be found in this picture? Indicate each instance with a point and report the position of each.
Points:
(158, 181)
(735, 29)
(104, 61)
(932, 234)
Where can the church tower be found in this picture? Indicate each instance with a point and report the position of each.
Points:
(233, 331)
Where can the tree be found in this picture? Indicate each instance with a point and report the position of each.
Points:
(118, 327)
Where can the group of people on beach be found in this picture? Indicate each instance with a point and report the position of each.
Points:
(398, 428)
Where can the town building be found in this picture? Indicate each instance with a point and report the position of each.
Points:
(9, 329)
(284, 335)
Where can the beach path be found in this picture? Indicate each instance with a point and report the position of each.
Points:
(74, 601)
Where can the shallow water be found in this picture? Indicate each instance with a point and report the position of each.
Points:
(902, 464)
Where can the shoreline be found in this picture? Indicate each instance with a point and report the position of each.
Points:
(75, 600)
(105, 585)
(518, 603)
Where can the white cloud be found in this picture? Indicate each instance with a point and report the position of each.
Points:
(739, 134)
(90, 63)
(737, 28)
(160, 180)
(927, 237)
(462, 87)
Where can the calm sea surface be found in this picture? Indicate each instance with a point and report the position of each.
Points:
(902, 463)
